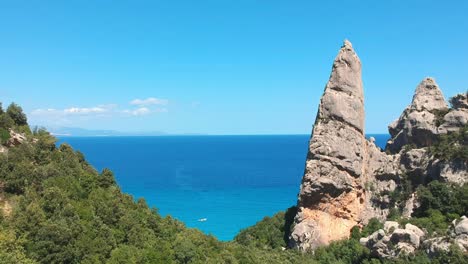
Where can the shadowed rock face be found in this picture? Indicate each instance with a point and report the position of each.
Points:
(330, 199)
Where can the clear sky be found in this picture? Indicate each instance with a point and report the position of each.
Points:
(220, 66)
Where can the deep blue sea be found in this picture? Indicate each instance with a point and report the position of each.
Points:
(232, 181)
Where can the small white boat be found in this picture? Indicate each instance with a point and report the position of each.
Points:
(202, 219)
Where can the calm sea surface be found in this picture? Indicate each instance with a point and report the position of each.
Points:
(232, 181)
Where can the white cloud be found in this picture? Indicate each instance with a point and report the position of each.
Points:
(149, 101)
(141, 111)
(75, 114)
(43, 111)
(138, 112)
(84, 110)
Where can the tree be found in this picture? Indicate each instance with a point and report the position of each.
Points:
(16, 113)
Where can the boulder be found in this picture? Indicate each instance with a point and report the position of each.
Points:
(390, 225)
(453, 120)
(416, 230)
(436, 245)
(392, 241)
(462, 242)
(405, 236)
(462, 227)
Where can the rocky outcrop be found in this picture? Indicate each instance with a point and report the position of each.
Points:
(417, 125)
(348, 179)
(392, 241)
(331, 198)
(455, 171)
(15, 139)
(420, 125)
(458, 236)
(457, 116)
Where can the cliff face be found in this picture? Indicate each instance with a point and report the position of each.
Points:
(345, 174)
(331, 197)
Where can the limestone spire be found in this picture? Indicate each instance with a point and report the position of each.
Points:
(329, 202)
(343, 98)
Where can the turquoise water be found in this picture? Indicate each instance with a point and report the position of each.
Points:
(232, 181)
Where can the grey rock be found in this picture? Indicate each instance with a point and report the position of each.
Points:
(410, 205)
(15, 139)
(460, 101)
(428, 96)
(462, 242)
(331, 198)
(462, 227)
(436, 245)
(415, 230)
(418, 123)
(415, 163)
(390, 225)
(453, 120)
(406, 236)
(347, 178)
(404, 249)
(392, 241)
(455, 171)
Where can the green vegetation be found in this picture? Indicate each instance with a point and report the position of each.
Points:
(452, 146)
(17, 115)
(440, 203)
(64, 211)
(270, 233)
(13, 118)
(439, 115)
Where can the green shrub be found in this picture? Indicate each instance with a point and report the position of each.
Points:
(451, 146)
(373, 225)
(17, 115)
(4, 135)
(271, 232)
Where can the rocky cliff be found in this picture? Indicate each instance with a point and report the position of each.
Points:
(330, 206)
(347, 178)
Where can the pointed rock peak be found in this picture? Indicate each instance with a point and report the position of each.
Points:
(347, 44)
(346, 72)
(428, 96)
(343, 98)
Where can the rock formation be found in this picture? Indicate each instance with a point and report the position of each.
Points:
(331, 197)
(393, 241)
(15, 139)
(347, 179)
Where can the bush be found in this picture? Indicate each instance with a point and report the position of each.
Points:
(271, 232)
(451, 146)
(17, 115)
(4, 135)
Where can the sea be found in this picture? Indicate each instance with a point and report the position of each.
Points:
(218, 184)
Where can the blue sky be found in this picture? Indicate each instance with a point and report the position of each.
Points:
(220, 66)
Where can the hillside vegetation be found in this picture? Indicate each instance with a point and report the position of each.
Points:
(64, 211)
